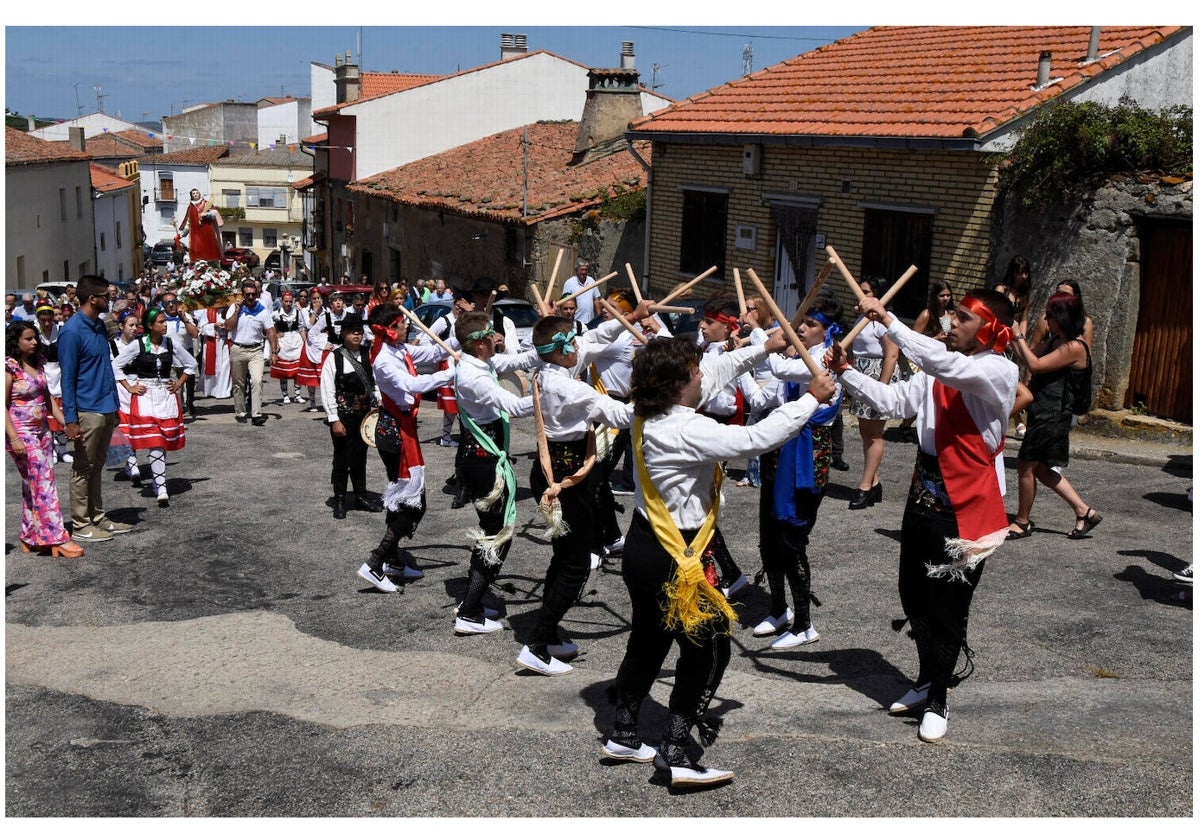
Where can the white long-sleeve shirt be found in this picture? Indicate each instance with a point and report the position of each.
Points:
(180, 357)
(570, 406)
(393, 379)
(329, 383)
(480, 394)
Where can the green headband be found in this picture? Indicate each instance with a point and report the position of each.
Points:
(558, 342)
(478, 334)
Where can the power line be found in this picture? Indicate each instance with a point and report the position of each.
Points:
(735, 34)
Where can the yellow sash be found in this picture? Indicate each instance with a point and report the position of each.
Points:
(691, 600)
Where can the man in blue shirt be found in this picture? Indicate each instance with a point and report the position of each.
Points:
(89, 394)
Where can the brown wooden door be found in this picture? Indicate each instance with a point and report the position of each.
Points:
(1160, 372)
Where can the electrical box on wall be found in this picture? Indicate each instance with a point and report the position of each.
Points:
(745, 237)
(752, 159)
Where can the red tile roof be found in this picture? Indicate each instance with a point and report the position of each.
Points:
(21, 149)
(485, 178)
(919, 81)
(117, 144)
(106, 180)
(378, 84)
(316, 138)
(199, 155)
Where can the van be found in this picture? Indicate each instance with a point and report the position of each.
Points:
(55, 290)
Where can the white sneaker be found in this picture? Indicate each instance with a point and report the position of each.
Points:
(406, 572)
(463, 627)
(286, 401)
(553, 668)
(563, 649)
(595, 562)
(772, 624)
(68, 458)
(488, 612)
(698, 777)
(791, 640)
(642, 755)
(615, 548)
(379, 581)
(933, 727)
(912, 698)
(163, 499)
(738, 585)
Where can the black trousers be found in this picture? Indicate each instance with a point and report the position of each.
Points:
(606, 530)
(401, 523)
(477, 473)
(784, 546)
(937, 608)
(570, 562)
(350, 457)
(645, 568)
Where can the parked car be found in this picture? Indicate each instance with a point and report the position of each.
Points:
(272, 261)
(348, 290)
(55, 289)
(522, 313)
(244, 256)
(163, 252)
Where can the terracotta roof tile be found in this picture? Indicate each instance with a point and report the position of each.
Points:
(106, 180)
(21, 149)
(195, 156)
(919, 81)
(316, 138)
(485, 178)
(378, 84)
(118, 144)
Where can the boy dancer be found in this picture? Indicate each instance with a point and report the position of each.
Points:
(393, 364)
(955, 516)
(672, 584)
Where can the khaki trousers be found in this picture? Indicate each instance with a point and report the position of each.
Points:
(246, 367)
(87, 470)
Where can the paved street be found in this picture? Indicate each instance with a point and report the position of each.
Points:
(224, 660)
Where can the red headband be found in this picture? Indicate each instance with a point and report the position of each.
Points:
(991, 329)
(728, 320)
(387, 335)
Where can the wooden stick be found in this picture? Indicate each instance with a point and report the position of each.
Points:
(553, 274)
(417, 323)
(684, 310)
(681, 289)
(783, 322)
(885, 300)
(812, 294)
(616, 313)
(542, 309)
(741, 294)
(845, 272)
(487, 307)
(586, 288)
(637, 292)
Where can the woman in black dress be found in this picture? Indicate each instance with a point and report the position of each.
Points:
(1057, 364)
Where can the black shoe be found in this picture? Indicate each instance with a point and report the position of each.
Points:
(860, 499)
(840, 465)
(259, 420)
(339, 507)
(241, 418)
(875, 494)
(362, 502)
(460, 498)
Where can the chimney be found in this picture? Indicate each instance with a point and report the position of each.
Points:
(614, 99)
(1094, 44)
(1043, 76)
(75, 138)
(512, 45)
(347, 83)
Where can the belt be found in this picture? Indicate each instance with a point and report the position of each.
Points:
(239, 344)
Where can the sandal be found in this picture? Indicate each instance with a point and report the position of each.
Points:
(1090, 520)
(1025, 530)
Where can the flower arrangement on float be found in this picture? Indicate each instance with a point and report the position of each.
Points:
(205, 286)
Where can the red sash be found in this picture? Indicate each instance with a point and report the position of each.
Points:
(210, 344)
(410, 445)
(968, 467)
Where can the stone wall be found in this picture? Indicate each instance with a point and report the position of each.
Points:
(1094, 242)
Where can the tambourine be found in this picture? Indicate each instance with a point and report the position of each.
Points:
(367, 427)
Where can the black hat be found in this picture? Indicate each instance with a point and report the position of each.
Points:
(351, 323)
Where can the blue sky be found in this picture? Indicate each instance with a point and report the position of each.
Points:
(150, 71)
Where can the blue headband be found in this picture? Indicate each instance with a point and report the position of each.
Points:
(831, 327)
(558, 342)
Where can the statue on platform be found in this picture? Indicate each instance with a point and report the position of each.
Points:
(202, 225)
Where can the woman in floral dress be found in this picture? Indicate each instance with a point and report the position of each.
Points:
(28, 440)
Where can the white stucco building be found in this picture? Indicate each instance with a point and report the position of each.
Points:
(283, 118)
(260, 184)
(166, 182)
(92, 124)
(115, 211)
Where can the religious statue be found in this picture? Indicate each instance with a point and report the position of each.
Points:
(202, 225)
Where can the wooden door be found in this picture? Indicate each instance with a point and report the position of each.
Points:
(1160, 371)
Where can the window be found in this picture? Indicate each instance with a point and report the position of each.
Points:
(46, 276)
(894, 239)
(83, 269)
(167, 215)
(79, 202)
(245, 237)
(702, 234)
(62, 203)
(118, 232)
(231, 198)
(270, 237)
(103, 246)
(66, 270)
(266, 197)
(166, 186)
(21, 272)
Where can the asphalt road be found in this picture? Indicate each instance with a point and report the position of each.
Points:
(224, 660)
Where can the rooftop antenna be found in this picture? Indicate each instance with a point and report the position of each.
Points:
(78, 107)
(100, 97)
(747, 59)
(654, 68)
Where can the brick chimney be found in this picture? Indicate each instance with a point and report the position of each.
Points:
(347, 82)
(613, 101)
(75, 138)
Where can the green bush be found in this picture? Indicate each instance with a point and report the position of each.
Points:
(1072, 146)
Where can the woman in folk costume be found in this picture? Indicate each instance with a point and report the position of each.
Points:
(216, 378)
(394, 367)
(962, 397)
(667, 566)
(202, 225)
(485, 469)
(316, 347)
(794, 477)
(150, 405)
(562, 477)
(291, 345)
